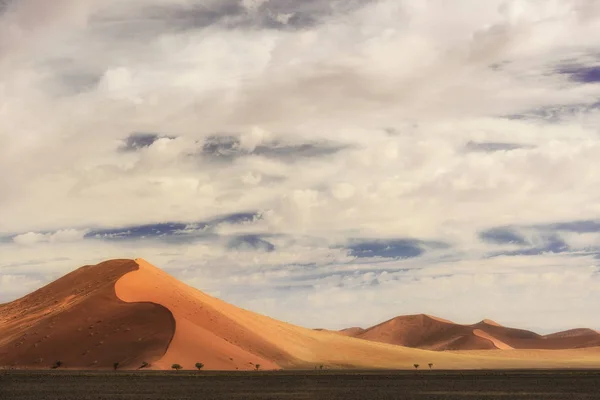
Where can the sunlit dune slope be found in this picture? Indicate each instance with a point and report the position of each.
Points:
(223, 336)
(79, 320)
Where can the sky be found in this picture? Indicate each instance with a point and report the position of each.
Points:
(327, 163)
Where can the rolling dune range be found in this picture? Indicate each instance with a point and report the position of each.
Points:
(431, 333)
(130, 312)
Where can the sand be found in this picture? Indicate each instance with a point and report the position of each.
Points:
(128, 312)
(223, 336)
(432, 333)
(426, 332)
(354, 331)
(79, 320)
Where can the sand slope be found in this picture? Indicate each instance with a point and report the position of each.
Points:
(223, 336)
(79, 320)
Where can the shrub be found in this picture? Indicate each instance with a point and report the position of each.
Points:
(115, 366)
(430, 365)
(257, 366)
(57, 364)
(416, 366)
(199, 365)
(144, 364)
(176, 367)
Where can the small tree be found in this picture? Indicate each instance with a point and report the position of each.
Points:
(199, 366)
(257, 366)
(321, 366)
(176, 367)
(57, 364)
(416, 366)
(430, 365)
(115, 366)
(144, 364)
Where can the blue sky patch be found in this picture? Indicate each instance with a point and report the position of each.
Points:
(228, 147)
(502, 236)
(590, 74)
(393, 248)
(171, 229)
(490, 147)
(583, 226)
(140, 140)
(255, 242)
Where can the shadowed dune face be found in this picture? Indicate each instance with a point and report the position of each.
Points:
(207, 330)
(79, 320)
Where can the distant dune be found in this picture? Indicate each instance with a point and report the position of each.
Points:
(580, 332)
(131, 312)
(354, 331)
(432, 333)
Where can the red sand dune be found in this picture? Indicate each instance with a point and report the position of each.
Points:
(79, 320)
(426, 332)
(130, 311)
(351, 331)
(578, 332)
(431, 333)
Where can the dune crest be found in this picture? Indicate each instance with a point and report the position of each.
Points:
(79, 321)
(490, 322)
(497, 343)
(431, 333)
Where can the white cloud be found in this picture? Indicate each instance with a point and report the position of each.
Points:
(401, 86)
(65, 235)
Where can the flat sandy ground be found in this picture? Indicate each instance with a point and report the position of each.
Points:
(330, 385)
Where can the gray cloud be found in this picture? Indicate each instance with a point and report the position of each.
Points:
(557, 113)
(584, 226)
(489, 147)
(139, 140)
(255, 242)
(229, 14)
(229, 147)
(305, 89)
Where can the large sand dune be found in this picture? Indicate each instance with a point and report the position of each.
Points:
(137, 313)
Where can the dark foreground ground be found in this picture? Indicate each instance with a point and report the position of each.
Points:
(330, 385)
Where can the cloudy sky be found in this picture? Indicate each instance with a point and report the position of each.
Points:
(328, 163)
